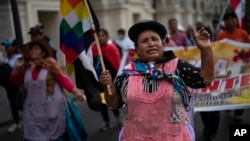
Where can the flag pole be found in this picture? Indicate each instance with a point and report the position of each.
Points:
(97, 43)
(222, 14)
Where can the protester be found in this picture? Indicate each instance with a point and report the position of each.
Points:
(36, 33)
(211, 120)
(177, 36)
(6, 66)
(154, 90)
(123, 42)
(247, 25)
(216, 29)
(43, 80)
(232, 32)
(190, 38)
(111, 57)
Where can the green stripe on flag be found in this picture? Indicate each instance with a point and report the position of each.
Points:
(65, 26)
(78, 29)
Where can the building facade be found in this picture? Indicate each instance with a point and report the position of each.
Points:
(112, 14)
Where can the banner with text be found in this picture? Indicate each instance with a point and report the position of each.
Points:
(231, 86)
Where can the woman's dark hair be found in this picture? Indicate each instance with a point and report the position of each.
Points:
(104, 31)
(171, 20)
(121, 31)
(44, 47)
(14, 44)
(135, 43)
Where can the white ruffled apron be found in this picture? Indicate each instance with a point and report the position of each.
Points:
(43, 115)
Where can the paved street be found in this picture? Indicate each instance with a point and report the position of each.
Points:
(93, 122)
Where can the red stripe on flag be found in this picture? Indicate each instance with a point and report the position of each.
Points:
(239, 8)
(234, 3)
(74, 3)
(69, 53)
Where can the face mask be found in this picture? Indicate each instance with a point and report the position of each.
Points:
(120, 37)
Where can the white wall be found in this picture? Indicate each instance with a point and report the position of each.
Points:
(113, 17)
(7, 28)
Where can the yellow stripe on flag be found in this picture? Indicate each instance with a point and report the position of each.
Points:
(70, 69)
(81, 11)
(65, 8)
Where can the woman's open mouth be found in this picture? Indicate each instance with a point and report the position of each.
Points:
(152, 51)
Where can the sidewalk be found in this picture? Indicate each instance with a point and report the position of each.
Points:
(10, 136)
(5, 117)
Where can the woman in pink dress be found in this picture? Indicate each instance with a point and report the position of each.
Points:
(154, 89)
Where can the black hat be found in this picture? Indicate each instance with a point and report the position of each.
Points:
(230, 14)
(139, 27)
(35, 30)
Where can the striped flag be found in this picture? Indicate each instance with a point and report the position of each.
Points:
(239, 8)
(76, 36)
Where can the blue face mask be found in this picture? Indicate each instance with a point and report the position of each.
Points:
(120, 37)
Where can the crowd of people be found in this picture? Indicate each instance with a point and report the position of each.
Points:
(152, 90)
(33, 71)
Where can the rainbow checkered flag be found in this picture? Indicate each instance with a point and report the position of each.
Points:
(76, 36)
(74, 24)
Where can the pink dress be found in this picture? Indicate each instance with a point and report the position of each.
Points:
(149, 114)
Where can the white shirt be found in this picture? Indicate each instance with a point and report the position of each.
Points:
(125, 44)
(12, 61)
